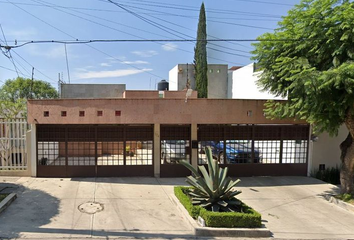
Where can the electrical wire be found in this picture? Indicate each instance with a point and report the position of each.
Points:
(7, 53)
(76, 40)
(155, 40)
(52, 6)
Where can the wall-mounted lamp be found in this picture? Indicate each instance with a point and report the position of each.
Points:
(314, 137)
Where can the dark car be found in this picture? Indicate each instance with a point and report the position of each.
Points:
(237, 151)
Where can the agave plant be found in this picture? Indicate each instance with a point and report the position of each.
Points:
(212, 189)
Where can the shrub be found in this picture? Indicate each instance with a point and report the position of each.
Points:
(181, 194)
(329, 175)
(248, 218)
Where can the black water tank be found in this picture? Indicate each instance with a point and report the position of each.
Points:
(162, 85)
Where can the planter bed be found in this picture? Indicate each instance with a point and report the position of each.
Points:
(249, 218)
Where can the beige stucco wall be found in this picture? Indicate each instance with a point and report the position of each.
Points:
(326, 149)
(92, 90)
(149, 111)
(140, 94)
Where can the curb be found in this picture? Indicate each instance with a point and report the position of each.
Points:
(346, 206)
(220, 232)
(7, 201)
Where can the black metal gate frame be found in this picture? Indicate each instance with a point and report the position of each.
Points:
(259, 132)
(94, 133)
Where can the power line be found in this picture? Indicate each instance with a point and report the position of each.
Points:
(236, 24)
(7, 52)
(67, 62)
(154, 40)
(117, 11)
(69, 42)
(195, 9)
(53, 81)
(137, 28)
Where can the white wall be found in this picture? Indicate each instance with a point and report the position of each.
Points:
(217, 79)
(326, 149)
(243, 84)
(173, 79)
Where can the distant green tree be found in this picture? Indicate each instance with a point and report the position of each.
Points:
(15, 92)
(200, 57)
(315, 70)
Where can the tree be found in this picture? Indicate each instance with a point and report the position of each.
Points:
(200, 57)
(15, 92)
(309, 59)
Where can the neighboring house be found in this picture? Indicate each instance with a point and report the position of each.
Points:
(217, 79)
(325, 149)
(243, 84)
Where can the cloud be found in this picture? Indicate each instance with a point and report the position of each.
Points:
(21, 34)
(148, 53)
(105, 65)
(135, 62)
(83, 69)
(52, 52)
(108, 74)
(169, 47)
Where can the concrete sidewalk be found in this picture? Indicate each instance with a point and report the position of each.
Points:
(291, 207)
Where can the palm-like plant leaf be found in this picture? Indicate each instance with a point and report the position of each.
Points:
(212, 189)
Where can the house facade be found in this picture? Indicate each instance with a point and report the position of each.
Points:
(144, 134)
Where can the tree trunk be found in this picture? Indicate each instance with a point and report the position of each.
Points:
(347, 158)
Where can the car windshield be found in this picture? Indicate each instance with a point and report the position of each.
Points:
(176, 142)
(238, 141)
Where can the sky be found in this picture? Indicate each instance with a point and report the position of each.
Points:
(139, 65)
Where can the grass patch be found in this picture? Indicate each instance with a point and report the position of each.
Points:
(349, 198)
(249, 218)
(3, 196)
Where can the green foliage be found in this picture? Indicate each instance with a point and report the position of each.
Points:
(3, 196)
(247, 218)
(213, 189)
(346, 197)
(316, 70)
(200, 57)
(181, 194)
(15, 92)
(329, 175)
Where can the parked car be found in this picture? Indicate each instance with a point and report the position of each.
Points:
(173, 150)
(237, 151)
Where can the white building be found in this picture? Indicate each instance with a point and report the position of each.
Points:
(217, 79)
(243, 84)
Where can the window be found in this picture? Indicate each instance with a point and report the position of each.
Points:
(46, 113)
(211, 70)
(63, 113)
(99, 113)
(82, 113)
(218, 71)
(118, 113)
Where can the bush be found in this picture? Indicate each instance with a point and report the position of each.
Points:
(329, 175)
(249, 218)
(181, 194)
(346, 197)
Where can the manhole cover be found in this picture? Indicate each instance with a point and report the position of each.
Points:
(91, 207)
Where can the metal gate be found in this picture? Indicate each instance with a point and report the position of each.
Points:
(94, 150)
(13, 152)
(257, 150)
(175, 146)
